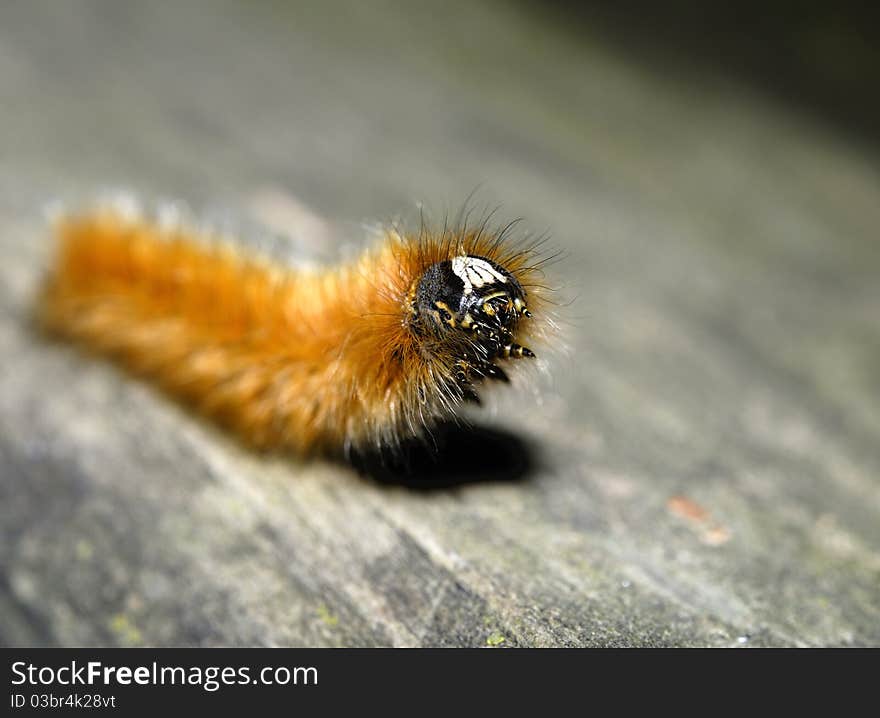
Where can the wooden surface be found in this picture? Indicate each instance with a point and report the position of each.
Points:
(701, 467)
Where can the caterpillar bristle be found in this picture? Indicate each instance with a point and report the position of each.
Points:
(365, 355)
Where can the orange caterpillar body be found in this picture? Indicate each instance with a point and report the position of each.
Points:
(356, 357)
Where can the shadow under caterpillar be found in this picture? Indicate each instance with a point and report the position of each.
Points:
(456, 455)
(346, 360)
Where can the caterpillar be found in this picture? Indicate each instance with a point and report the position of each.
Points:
(350, 358)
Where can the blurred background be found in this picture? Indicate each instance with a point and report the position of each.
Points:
(701, 466)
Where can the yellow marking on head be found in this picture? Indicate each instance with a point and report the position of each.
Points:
(411, 296)
(494, 295)
(449, 317)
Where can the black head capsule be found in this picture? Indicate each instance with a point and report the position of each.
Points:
(476, 301)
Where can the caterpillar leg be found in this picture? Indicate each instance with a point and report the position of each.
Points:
(463, 372)
(466, 372)
(471, 396)
(515, 350)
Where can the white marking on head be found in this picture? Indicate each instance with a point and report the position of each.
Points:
(475, 272)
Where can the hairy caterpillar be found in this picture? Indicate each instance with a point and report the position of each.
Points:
(356, 357)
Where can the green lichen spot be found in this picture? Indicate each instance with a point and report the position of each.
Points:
(495, 639)
(127, 633)
(84, 550)
(328, 618)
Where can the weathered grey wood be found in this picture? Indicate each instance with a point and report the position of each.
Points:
(704, 463)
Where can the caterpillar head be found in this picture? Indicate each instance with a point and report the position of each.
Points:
(476, 304)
